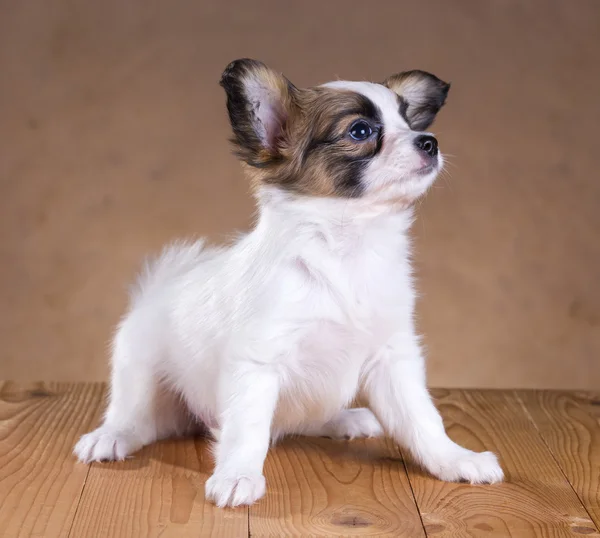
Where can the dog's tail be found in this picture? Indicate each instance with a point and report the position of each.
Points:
(175, 260)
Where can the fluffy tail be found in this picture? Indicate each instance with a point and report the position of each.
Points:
(175, 259)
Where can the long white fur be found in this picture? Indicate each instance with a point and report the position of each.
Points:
(278, 333)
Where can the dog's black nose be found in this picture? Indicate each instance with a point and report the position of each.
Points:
(428, 144)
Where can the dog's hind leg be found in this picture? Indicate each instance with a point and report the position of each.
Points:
(141, 410)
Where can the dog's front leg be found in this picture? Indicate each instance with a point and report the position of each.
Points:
(249, 400)
(395, 386)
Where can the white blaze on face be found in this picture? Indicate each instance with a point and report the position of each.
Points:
(394, 172)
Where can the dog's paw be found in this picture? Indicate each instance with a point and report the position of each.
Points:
(352, 423)
(467, 466)
(105, 444)
(227, 490)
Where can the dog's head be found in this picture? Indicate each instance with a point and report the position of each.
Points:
(341, 139)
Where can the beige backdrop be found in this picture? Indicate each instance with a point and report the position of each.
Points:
(113, 141)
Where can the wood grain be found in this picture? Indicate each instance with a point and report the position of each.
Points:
(548, 443)
(591, 402)
(569, 428)
(40, 483)
(322, 487)
(158, 492)
(536, 500)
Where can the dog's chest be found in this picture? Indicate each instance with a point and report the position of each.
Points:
(363, 291)
(340, 312)
(345, 307)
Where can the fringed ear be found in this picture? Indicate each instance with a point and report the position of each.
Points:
(423, 94)
(260, 102)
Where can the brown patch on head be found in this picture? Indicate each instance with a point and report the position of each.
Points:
(319, 155)
(298, 139)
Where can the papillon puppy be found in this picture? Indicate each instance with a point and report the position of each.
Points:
(282, 331)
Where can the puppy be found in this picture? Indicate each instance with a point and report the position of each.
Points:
(280, 332)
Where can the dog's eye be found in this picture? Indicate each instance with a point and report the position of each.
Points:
(360, 130)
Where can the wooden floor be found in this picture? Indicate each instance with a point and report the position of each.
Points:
(548, 443)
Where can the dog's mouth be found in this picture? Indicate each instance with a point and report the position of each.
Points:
(427, 169)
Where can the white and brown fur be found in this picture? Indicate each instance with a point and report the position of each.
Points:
(281, 331)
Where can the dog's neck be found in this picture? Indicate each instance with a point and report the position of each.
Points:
(342, 223)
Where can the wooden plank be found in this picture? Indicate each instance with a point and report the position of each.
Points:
(40, 482)
(569, 428)
(322, 487)
(589, 400)
(536, 499)
(315, 486)
(157, 492)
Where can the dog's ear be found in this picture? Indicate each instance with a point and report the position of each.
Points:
(260, 102)
(422, 95)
